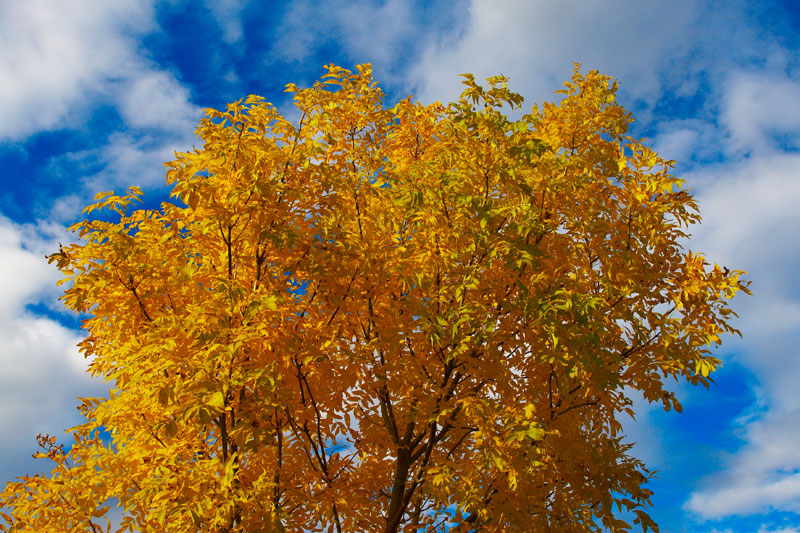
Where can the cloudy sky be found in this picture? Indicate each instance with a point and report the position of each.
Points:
(97, 95)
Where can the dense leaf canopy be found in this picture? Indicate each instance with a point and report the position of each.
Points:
(383, 319)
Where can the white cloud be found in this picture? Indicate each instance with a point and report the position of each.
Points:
(363, 28)
(749, 210)
(67, 57)
(386, 34)
(155, 100)
(687, 141)
(762, 529)
(53, 53)
(678, 144)
(129, 158)
(22, 271)
(58, 60)
(746, 498)
(43, 372)
(762, 110)
(751, 221)
(763, 473)
(376, 31)
(535, 43)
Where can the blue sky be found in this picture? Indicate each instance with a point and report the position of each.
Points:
(97, 95)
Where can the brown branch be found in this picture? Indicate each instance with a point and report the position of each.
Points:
(578, 406)
(318, 448)
(633, 349)
(152, 433)
(276, 478)
(131, 286)
(296, 430)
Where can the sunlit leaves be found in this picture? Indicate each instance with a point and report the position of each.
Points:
(379, 315)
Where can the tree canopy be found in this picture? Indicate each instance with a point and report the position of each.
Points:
(406, 318)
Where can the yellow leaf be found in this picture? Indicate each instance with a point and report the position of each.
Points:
(217, 400)
(100, 511)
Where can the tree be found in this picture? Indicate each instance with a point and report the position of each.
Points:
(383, 319)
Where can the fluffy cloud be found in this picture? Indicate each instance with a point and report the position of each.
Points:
(535, 42)
(23, 272)
(128, 158)
(750, 221)
(52, 54)
(386, 34)
(68, 58)
(688, 141)
(762, 111)
(308, 26)
(746, 498)
(155, 100)
(43, 372)
(749, 210)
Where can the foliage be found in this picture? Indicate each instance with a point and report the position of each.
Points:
(383, 319)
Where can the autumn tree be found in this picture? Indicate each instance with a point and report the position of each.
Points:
(410, 318)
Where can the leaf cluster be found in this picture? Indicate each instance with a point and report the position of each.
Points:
(405, 318)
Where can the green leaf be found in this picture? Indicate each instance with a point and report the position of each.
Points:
(534, 433)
